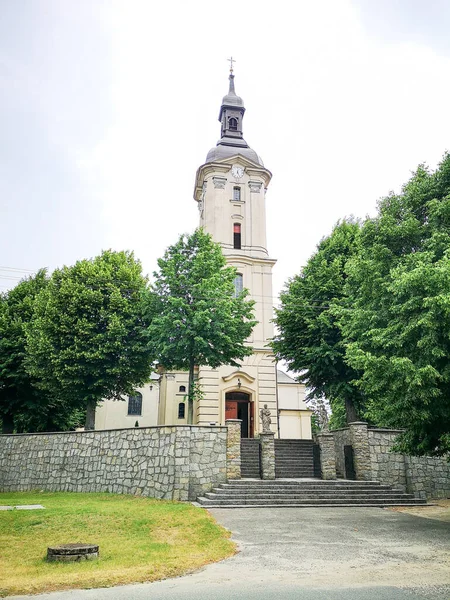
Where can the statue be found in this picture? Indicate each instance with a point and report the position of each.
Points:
(265, 419)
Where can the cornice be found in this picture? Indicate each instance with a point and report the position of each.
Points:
(223, 166)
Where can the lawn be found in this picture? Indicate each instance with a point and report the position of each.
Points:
(140, 539)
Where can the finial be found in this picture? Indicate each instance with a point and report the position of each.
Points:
(232, 60)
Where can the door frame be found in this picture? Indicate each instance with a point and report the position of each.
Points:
(248, 401)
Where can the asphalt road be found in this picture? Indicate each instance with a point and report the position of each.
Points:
(311, 554)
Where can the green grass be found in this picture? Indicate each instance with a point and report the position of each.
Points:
(140, 539)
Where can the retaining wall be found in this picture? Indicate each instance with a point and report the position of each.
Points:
(174, 463)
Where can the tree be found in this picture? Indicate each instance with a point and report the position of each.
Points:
(19, 396)
(309, 338)
(199, 319)
(88, 337)
(399, 321)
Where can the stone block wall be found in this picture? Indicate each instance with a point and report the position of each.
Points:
(387, 467)
(174, 463)
(341, 439)
(423, 476)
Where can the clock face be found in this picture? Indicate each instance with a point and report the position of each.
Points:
(237, 171)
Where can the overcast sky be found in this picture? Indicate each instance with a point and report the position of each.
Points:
(107, 109)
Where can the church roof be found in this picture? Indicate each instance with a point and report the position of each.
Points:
(283, 377)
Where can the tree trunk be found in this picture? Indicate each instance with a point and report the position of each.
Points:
(90, 415)
(7, 424)
(350, 411)
(191, 392)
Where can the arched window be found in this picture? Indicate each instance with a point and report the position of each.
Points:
(135, 404)
(182, 388)
(237, 194)
(181, 410)
(237, 236)
(232, 124)
(238, 284)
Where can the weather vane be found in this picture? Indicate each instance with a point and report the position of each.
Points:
(232, 60)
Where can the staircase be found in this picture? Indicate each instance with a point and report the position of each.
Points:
(250, 458)
(304, 493)
(294, 458)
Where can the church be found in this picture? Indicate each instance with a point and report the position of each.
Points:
(230, 191)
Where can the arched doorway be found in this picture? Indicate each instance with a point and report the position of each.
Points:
(239, 406)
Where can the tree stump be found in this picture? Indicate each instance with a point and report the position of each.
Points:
(72, 552)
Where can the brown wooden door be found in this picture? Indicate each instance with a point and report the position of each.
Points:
(231, 409)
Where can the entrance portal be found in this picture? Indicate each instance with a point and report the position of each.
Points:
(239, 406)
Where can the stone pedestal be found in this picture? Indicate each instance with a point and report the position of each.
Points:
(267, 441)
(327, 455)
(233, 448)
(361, 451)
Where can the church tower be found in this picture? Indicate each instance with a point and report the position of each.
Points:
(230, 189)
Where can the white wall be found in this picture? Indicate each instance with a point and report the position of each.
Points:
(113, 414)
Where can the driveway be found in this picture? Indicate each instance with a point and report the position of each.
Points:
(312, 554)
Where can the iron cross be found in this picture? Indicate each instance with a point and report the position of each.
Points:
(232, 60)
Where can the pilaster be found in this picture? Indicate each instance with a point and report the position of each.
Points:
(327, 455)
(361, 451)
(267, 455)
(233, 448)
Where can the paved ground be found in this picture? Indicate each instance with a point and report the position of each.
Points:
(312, 554)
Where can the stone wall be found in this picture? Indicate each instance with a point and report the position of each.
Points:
(341, 439)
(174, 463)
(386, 466)
(423, 476)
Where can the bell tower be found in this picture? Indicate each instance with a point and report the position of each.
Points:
(230, 189)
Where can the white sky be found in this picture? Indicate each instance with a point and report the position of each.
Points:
(107, 108)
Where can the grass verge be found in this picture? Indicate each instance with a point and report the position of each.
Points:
(140, 539)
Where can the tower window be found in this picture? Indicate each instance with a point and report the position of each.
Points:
(182, 388)
(181, 410)
(237, 236)
(232, 124)
(238, 284)
(237, 194)
(135, 404)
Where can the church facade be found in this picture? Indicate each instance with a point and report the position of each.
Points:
(230, 191)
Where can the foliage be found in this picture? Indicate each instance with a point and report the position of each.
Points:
(198, 320)
(309, 338)
(140, 539)
(88, 337)
(399, 318)
(24, 407)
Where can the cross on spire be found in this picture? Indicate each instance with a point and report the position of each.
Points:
(231, 60)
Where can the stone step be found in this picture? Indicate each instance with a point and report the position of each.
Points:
(306, 488)
(222, 502)
(343, 505)
(308, 496)
(305, 481)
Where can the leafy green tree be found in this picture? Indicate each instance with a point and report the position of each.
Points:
(88, 337)
(198, 319)
(19, 396)
(309, 338)
(399, 321)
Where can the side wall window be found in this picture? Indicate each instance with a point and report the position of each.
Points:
(237, 194)
(238, 284)
(182, 388)
(181, 410)
(135, 404)
(237, 236)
